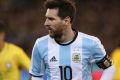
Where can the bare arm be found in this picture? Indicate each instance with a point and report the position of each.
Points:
(30, 77)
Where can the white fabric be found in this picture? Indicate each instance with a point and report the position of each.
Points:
(36, 78)
(73, 59)
(108, 73)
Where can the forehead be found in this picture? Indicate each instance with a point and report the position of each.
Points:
(52, 12)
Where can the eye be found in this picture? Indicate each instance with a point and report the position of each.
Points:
(50, 18)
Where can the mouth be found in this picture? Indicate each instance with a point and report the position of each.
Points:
(50, 31)
(48, 28)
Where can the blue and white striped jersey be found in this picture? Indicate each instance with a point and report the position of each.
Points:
(66, 62)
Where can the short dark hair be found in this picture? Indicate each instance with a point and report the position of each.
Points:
(66, 8)
(3, 26)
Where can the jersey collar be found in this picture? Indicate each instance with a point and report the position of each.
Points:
(64, 44)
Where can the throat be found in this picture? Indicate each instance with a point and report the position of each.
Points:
(67, 42)
(66, 39)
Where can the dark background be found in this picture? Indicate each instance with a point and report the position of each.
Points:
(25, 19)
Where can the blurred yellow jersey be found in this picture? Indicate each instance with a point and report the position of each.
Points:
(116, 62)
(12, 59)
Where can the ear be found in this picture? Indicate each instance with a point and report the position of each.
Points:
(67, 20)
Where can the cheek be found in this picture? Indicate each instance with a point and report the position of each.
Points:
(58, 26)
(61, 25)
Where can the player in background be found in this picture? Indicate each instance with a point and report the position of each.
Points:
(12, 58)
(116, 61)
(67, 54)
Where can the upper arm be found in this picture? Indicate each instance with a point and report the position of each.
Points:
(37, 64)
(100, 56)
(98, 50)
(23, 59)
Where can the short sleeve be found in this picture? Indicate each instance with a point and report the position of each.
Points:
(98, 50)
(37, 65)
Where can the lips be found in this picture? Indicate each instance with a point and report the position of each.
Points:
(48, 28)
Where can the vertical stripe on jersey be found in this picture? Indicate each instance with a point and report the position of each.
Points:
(76, 62)
(65, 59)
(44, 44)
(53, 60)
(86, 70)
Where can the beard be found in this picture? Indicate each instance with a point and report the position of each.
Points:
(55, 33)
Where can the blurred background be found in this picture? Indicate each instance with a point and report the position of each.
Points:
(25, 19)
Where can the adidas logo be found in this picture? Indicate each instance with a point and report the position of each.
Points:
(53, 59)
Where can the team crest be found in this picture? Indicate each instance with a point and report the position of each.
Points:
(8, 66)
(76, 57)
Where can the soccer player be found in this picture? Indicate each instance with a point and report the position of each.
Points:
(12, 58)
(65, 53)
(116, 61)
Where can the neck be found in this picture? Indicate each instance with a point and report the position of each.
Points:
(68, 35)
(1, 45)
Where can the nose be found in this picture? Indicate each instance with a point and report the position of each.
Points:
(46, 23)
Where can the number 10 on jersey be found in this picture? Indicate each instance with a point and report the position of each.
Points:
(64, 71)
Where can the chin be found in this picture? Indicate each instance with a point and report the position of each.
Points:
(52, 36)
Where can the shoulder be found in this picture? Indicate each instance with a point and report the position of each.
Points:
(13, 46)
(117, 50)
(89, 41)
(88, 37)
(42, 39)
(14, 49)
(41, 45)
(116, 53)
(42, 42)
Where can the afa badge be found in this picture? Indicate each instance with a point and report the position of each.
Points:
(76, 57)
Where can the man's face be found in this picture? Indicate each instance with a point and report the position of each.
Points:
(54, 24)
